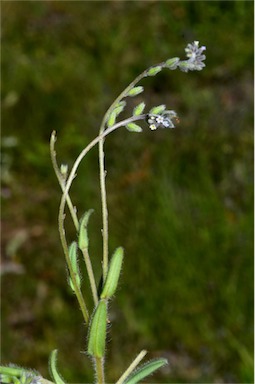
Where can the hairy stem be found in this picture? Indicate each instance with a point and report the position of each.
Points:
(89, 147)
(61, 180)
(61, 214)
(77, 290)
(99, 367)
(90, 275)
(102, 174)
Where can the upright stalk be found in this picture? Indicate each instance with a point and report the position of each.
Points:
(99, 362)
(91, 276)
(102, 174)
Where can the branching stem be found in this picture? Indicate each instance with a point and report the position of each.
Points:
(61, 180)
(61, 215)
(102, 172)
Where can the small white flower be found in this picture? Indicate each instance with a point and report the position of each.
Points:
(161, 121)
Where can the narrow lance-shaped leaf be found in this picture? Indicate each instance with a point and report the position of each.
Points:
(97, 332)
(138, 110)
(113, 274)
(53, 368)
(135, 91)
(145, 370)
(74, 265)
(83, 239)
(132, 127)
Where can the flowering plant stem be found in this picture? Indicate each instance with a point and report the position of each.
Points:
(102, 173)
(97, 319)
(158, 116)
(65, 198)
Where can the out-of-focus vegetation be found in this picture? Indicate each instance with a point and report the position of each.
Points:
(180, 201)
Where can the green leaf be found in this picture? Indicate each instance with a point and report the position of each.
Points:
(145, 370)
(138, 110)
(97, 332)
(113, 274)
(132, 127)
(53, 368)
(154, 70)
(73, 256)
(157, 110)
(83, 239)
(135, 91)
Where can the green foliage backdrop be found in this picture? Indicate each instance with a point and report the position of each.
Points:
(180, 201)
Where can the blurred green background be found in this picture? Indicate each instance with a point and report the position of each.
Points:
(180, 201)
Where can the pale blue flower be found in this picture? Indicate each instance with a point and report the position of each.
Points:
(195, 58)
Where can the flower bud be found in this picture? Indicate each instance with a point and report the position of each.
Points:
(135, 91)
(154, 70)
(132, 127)
(172, 63)
(138, 110)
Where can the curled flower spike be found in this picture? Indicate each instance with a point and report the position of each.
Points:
(195, 58)
(194, 52)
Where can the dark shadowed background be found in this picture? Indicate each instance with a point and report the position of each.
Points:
(180, 201)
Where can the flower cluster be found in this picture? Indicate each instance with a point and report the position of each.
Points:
(195, 59)
(161, 120)
(195, 55)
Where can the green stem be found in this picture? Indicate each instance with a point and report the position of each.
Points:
(102, 173)
(90, 275)
(61, 214)
(77, 290)
(89, 147)
(99, 363)
(61, 180)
